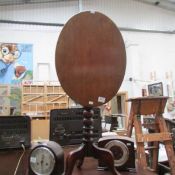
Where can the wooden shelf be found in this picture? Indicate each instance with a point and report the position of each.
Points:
(40, 98)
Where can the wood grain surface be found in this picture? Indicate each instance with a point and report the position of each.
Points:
(90, 58)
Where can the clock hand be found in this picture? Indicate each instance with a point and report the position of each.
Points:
(42, 159)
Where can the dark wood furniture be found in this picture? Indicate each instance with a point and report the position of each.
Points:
(90, 63)
(153, 106)
(88, 148)
(90, 58)
(9, 159)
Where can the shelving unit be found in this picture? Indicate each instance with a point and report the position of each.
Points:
(55, 98)
(33, 100)
(38, 98)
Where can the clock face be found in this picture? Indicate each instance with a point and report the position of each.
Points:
(119, 151)
(42, 161)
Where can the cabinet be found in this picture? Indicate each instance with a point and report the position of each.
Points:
(38, 98)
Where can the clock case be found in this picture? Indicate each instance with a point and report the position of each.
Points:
(122, 148)
(58, 153)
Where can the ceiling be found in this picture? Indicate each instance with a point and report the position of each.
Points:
(17, 2)
(166, 4)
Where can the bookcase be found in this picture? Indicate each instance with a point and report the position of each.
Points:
(55, 98)
(38, 98)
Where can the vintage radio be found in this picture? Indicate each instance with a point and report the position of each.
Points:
(122, 149)
(14, 131)
(66, 125)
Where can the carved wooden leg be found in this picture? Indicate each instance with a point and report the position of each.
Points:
(72, 157)
(89, 149)
(106, 157)
(80, 163)
(82, 156)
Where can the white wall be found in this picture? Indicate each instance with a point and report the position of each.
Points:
(43, 40)
(45, 12)
(146, 51)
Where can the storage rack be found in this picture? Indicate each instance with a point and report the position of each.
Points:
(38, 98)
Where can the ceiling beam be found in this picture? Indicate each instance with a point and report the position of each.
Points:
(21, 2)
(164, 4)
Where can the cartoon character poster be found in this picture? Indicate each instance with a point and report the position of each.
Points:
(16, 63)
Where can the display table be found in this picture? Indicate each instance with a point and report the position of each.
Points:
(9, 159)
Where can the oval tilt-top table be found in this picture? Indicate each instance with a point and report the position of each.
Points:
(90, 62)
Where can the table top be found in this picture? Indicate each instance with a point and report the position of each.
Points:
(148, 98)
(148, 105)
(90, 58)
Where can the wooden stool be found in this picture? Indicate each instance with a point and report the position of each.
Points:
(153, 106)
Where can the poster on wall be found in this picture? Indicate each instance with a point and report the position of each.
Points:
(16, 63)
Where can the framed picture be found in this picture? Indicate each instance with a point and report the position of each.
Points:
(16, 63)
(155, 89)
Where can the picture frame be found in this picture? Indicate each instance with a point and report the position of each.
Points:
(155, 89)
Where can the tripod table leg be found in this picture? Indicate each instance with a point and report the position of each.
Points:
(106, 156)
(74, 156)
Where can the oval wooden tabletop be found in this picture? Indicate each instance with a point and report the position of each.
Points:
(90, 58)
